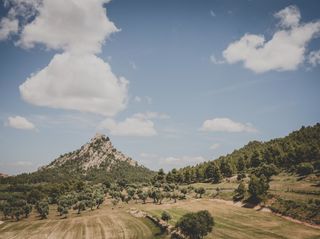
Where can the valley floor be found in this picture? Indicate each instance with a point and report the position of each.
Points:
(231, 222)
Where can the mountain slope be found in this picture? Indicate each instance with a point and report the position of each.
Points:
(96, 161)
(288, 153)
(98, 152)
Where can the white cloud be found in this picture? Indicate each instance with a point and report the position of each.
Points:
(72, 25)
(140, 124)
(76, 79)
(215, 146)
(226, 125)
(8, 27)
(19, 122)
(314, 58)
(283, 52)
(212, 13)
(289, 16)
(216, 61)
(132, 126)
(84, 83)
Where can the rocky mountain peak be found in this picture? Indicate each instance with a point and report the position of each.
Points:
(98, 152)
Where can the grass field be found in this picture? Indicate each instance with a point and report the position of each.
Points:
(233, 222)
(102, 223)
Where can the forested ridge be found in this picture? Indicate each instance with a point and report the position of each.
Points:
(298, 152)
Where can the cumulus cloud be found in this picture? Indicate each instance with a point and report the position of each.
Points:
(132, 126)
(140, 124)
(226, 125)
(314, 58)
(72, 25)
(19, 122)
(289, 16)
(283, 52)
(8, 27)
(84, 83)
(76, 79)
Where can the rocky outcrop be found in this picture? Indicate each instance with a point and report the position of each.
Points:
(93, 154)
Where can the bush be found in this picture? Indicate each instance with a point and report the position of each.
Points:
(165, 216)
(305, 169)
(240, 192)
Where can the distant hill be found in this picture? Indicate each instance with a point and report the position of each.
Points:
(97, 161)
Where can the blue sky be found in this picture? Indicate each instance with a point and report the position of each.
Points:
(171, 82)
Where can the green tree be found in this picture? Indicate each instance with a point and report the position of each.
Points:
(240, 192)
(241, 164)
(255, 159)
(27, 208)
(43, 209)
(196, 225)
(99, 200)
(213, 172)
(143, 196)
(258, 188)
(80, 206)
(165, 216)
(226, 168)
(200, 191)
(305, 169)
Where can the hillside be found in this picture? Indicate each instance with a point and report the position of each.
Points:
(291, 153)
(96, 161)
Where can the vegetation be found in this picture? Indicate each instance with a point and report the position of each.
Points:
(165, 216)
(299, 152)
(196, 225)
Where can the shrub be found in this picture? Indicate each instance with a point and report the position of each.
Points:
(305, 169)
(165, 216)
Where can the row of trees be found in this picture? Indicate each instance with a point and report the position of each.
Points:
(82, 197)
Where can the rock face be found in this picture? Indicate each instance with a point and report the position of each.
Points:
(98, 152)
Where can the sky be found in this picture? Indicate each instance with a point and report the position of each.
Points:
(172, 82)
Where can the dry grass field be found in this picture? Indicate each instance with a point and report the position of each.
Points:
(232, 222)
(103, 223)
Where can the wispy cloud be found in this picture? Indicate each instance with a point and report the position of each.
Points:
(226, 125)
(19, 122)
